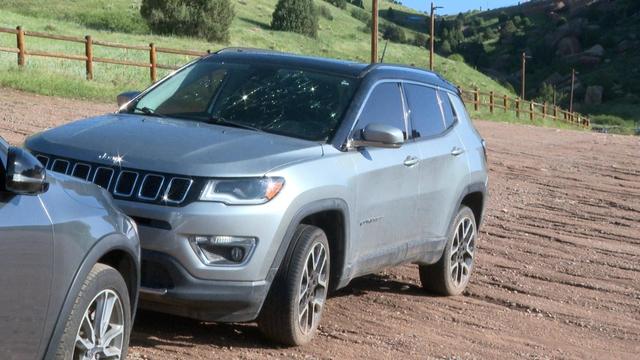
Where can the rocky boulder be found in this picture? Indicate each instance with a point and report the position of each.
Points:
(569, 45)
(596, 50)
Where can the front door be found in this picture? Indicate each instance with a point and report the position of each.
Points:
(386, 186)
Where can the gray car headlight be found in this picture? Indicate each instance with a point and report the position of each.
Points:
(248, 191)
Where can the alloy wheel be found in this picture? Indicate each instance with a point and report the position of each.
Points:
(101, 332)
(462, 252)
(313, 288)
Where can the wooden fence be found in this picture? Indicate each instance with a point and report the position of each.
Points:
(475, 97)
(23, 51)
(534, 111)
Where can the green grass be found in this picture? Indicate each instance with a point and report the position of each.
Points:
(340, 38)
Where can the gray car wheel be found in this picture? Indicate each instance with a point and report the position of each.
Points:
(451, 274)
(292, 311)
(99, 325)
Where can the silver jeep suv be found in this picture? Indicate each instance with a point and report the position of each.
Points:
(260, 181)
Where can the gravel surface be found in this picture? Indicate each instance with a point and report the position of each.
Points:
(557, 276)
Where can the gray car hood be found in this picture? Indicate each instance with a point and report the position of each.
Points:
(173, 146)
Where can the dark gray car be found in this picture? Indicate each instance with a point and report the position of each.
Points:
(69, 265)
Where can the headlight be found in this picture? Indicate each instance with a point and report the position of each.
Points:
(250, 191)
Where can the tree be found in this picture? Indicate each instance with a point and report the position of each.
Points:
(209, 19)
(298, 16)
(545, 94)
(445, 47)
(342, 4)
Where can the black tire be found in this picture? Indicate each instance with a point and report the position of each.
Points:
(441, 277)
(279, 318)
(102, 279)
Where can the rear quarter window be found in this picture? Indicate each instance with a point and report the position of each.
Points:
(425, 110)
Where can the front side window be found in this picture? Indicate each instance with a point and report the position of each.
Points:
(426, 111)
(384, 106)
(293, 102)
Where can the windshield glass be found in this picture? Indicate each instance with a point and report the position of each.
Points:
(292, 102)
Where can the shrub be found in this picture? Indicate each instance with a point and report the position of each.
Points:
(394, 33)
(421, 40)
(325, 12)
(609, 120)
(361, 15)
(342, 4)
(456, 57)
(298, 16)
(209, 19)
(357, 3)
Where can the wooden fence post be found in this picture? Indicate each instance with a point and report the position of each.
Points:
(153, 59)
(491, 102)
(555, 112)
(518, 108)
(21, 47)
(88, 51)
(544, 110)
(476, 99)
(505, 103)
(532, 110)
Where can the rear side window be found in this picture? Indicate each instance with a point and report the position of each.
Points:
(450, 116)
(384, 106)
(426, 111)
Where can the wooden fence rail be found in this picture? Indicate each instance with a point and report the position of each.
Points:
(23, 51)
(531, 109)
(477, 98)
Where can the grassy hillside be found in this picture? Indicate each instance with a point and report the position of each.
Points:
(600, 39)
(119, 21)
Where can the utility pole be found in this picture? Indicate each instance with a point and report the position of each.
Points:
(524, 70)
(432, 34)
(374, 31)
(573, 84)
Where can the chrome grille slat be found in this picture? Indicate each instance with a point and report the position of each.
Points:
(78, 167)
(44, 160)
(99, 170)
(132, 187)
(60, 161)
(167, 198)
(144, 182)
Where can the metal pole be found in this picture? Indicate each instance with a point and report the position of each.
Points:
(374, 32)
(432, 37)
(573, 83)
(524, 67)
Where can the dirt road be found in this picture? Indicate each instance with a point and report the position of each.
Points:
(558, 271)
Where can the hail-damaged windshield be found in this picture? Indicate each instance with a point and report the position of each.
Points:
(300, 103)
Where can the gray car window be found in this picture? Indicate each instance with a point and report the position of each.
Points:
(425, 111)
(450, 116)
(384, 106)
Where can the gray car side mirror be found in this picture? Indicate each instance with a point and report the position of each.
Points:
(125, 97)
(380, 135)
(25, 175)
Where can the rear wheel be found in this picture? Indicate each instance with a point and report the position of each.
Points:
(451, 274)
(293, 309)
(99, 324)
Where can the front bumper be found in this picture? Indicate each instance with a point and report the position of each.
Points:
(168, 287)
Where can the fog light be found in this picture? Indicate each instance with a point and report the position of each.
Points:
(222, 250)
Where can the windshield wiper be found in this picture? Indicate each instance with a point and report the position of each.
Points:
(145, 110)
(222, 121)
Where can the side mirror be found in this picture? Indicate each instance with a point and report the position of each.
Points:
(25, 174)
(125, 97)
(380, 135)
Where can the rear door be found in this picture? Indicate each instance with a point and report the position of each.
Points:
(442, 163)
(26, 255)
(386, 185)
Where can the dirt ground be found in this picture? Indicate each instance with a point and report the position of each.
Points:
(557, 276)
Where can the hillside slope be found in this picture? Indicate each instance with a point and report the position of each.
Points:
(599, 38)
(119, 21)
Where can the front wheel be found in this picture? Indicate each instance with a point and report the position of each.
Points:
(100, 321)
(451, 274)
(293, 309)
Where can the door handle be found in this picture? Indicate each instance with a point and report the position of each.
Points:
(456, 151)
(411, 161)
